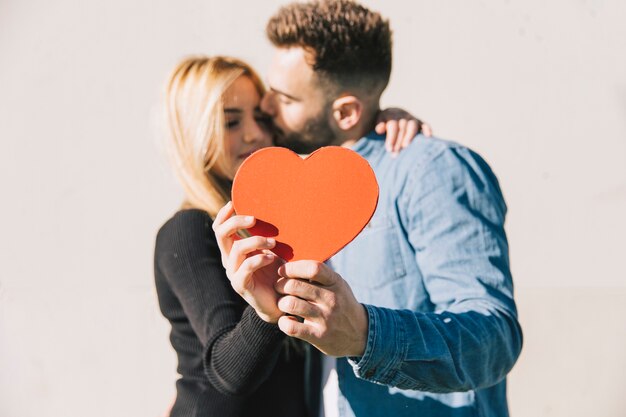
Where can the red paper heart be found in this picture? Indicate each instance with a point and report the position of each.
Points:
(313, 206)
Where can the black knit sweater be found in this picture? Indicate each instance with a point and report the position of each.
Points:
(231, 362)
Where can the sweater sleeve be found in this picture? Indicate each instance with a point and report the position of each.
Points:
(239, 349)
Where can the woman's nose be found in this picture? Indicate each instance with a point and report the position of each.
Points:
(253, 133)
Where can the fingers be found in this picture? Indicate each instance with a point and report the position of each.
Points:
(226, 230)
(242, 249)
(391, 139)
(412, 127)
(311, 270)
(426, 130)
(232, 225)
(403, 131)
(241, 280)
(224, 213)
(380, 127)
(400, 132)
(291, 326)
(381, 120)
(298, 307)
(223, 242)
(298, 288)
(400, 139)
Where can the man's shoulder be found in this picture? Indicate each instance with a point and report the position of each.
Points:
(440, 161)
(424, 149)
(436, 155)
(447, 167)
(421, 149)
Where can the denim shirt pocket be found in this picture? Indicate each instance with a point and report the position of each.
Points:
(375, 255)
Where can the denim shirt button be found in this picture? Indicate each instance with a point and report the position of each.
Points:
(370, 373)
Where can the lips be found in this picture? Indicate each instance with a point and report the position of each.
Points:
(247, 154)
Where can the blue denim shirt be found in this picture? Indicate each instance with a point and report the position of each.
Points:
(432, 269)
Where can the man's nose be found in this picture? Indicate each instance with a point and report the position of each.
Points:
(267, 104)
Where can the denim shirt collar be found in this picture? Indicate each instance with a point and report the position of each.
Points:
(367, 144)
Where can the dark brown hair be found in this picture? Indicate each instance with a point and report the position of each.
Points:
(349, 45)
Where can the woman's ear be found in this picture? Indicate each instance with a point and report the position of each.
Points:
(347, 112)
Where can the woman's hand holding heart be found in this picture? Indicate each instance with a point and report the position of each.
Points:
(250, 265)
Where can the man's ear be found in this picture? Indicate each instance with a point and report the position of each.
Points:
(347, 112)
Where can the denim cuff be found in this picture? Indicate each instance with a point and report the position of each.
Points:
(385, 349)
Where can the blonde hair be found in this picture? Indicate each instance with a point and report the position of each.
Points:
(194, 126)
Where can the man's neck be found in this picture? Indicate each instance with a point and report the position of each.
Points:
(352, 136)
(349, 143)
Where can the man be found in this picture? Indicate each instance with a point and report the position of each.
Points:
(419, 308)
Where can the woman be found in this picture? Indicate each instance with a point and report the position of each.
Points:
(232, 360)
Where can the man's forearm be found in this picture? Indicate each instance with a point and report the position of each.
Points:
(444, 352)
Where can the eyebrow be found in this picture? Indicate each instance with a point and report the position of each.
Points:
(237, 110)
(282, 93)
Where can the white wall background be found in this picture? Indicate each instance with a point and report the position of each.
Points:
(539, 88)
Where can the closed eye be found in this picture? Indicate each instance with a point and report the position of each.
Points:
(232, 124)
(284, 100)
(284, 97)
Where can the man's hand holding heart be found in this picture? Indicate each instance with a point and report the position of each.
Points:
(321, 309)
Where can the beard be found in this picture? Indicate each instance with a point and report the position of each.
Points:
(315, 134)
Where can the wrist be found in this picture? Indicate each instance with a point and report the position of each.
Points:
(361, 323)
(268, 318)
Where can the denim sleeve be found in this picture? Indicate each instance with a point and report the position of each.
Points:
(453, 213)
